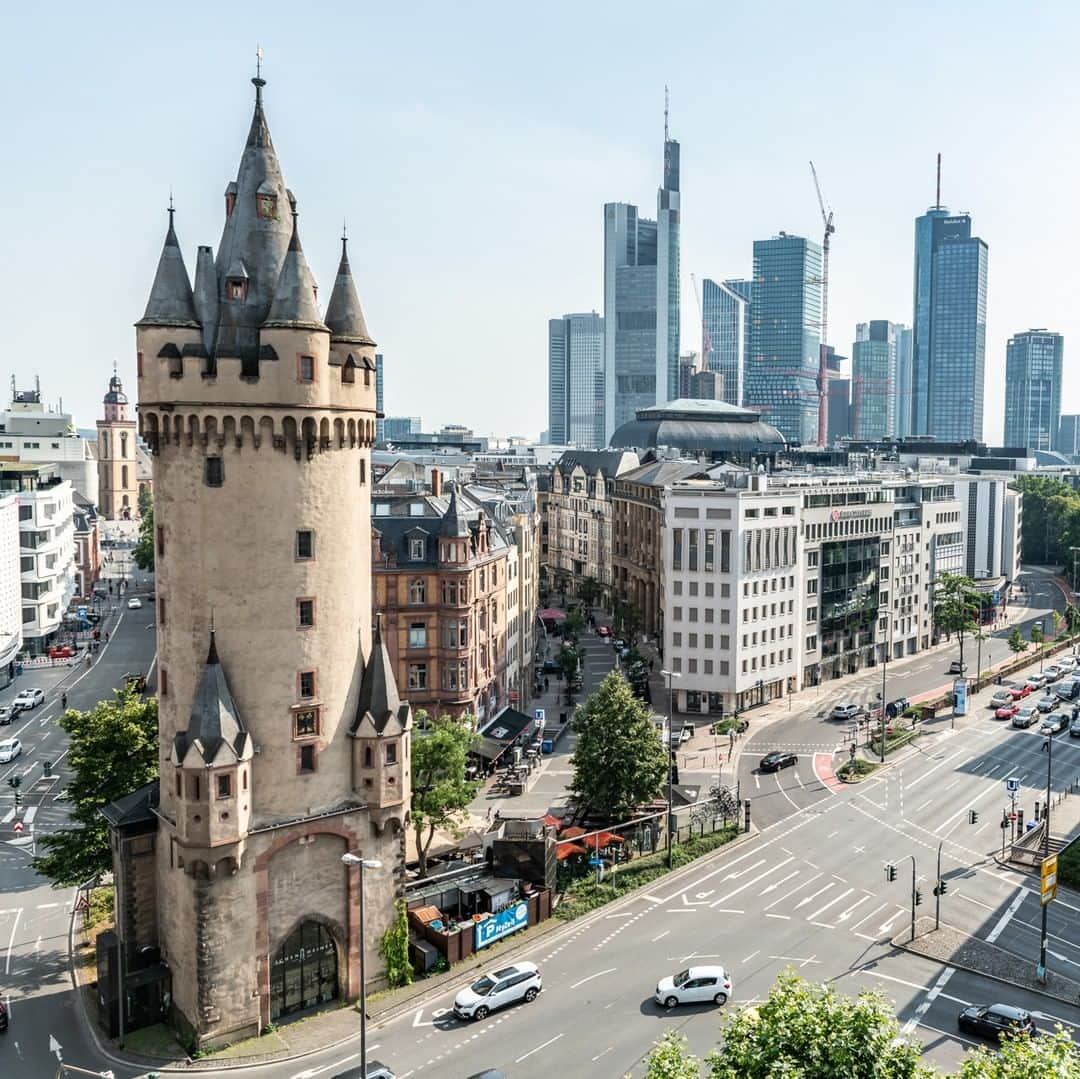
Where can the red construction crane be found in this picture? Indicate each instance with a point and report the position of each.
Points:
(823, 365)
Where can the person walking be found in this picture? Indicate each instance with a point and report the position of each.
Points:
(63, 701)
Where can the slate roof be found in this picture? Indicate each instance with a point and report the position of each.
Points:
(171, 302)
(713, 427)
(294, 300)
(343, 313)
(134, 808)
(454, 524)
(215, 730)
(379, 698)
(658, 473)
(610, 463)
(401, 525)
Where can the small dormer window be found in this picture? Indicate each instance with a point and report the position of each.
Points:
(391, 752)
(416, 549)
(348, 371)
(237, 288)
(266, 206)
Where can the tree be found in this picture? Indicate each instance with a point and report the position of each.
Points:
(1038, 637)
(589, 591)
(440, 791)
(1050, 1056)
(113, 751)
(567, 659)
(956, 606)
(145, 501)
(670, 1059)
(618, 762)
(814, 1032)
(574, 625)
(1017, 642)
(394, 949)
(144, 548)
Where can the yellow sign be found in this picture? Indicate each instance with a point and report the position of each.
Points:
(1048, 878)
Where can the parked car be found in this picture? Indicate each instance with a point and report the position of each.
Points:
(519, 981)
(1024, 717)
(686, 733)
(1001, 698)
(1051, 675)
(375, 1070)
(1047, 703)
(29, 698)
(61, 651)
(1067, 663)
(1068, 689)
(996, 1020)
(3, 1017)
(956, 667)
(1054, 724)
(695, 985)
(773, 762)
(847, 710)
(1020, 691)
(897, 707)
(1034, 682)
(1007, 711)
(1074, 729)
(10, 748)
(134, 603)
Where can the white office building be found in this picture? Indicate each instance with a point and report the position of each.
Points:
(10, 586)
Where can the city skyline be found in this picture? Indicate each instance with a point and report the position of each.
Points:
(550, 149)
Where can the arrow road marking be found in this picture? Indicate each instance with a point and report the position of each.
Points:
(810, 898)
(831, 903)
(847, 913)
(748, 869)
(773, 887)
(54, 1047)
(752, 881)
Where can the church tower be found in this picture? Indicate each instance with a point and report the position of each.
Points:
(118, 483)
(283, 741)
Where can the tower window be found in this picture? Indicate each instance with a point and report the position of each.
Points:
(305, 544)
(266, 206)
(369, 761)
(363, 471)
(237, 289)
(123, 447)
(138, 364)
(391, 752)
(305, 613)
(224, 786)
(161, 611)
(305, 368)
(215, 471)
(416, 549)
(305, 722)
(306, 759)
(179, 784)
(367, 377)
(348, 371)
(160, 530)
(305, 684)
(163, 682)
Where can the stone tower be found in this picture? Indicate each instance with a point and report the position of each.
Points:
(118, 483)
(281, 748)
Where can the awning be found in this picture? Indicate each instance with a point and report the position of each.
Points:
(501, 733)
(552, 614)
(567, 850)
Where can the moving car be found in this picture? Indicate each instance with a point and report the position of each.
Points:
(847, 710)
(1054, 723)
(956, 667)
(1047, 703)
(1024, 717)
(1007, 711)
(10, 748)
(1074, 729)
(519, 981)
(375, 1070)
(6, 715)
(995, 1020)
(773, 762)
(1001, 697)
(695, 985)
(134, 603)
(29, 698)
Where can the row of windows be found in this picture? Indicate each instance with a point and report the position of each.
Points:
(454, 674)
(724, 667)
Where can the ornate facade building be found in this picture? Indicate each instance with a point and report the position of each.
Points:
(118, 483)
(283, 742)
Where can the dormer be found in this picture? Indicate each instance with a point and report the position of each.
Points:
(266, 206)
(454, 534)
(230, 198)
(236, 281)
(416, 545)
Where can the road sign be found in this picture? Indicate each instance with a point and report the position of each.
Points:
(1048, 878)
(17, 827)
(1012, 784)
(82, 905)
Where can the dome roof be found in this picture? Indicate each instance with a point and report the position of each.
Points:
(693, 426)
(116, 395)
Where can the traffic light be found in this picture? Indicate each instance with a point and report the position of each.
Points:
(890, 872)
(973, 816)
(918, 898)
(941, 887)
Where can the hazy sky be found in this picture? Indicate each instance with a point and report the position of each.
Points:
(471, 148)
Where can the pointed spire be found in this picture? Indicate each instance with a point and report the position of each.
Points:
(171, 302)
(454, 524)
(379, 696)
(343, 313)
(294, 301)
(214, 720)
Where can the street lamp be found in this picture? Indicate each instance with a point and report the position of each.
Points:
(362, 864)
(1048, 749)
(669, 675)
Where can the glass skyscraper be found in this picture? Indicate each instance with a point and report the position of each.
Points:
(949, 332)
(875, 380)
(641, 302)
(380, 426)
(726, 311)
(904, 345)
(785, 335)
(576, 381)
(1033, 362)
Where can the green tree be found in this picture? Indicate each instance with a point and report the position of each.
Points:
(143, 552)
(670, 1059)
(394, 949)
(113, 751)
(1051, 1056)
(589, 591)
(1072, 619)
(574, 625)
(568, 658)
(618, 762)
(814, 1032)
(145, 502)
(440, 791)
(956, 606)
(1017, 642)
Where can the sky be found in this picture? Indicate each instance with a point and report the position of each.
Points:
(471, 147)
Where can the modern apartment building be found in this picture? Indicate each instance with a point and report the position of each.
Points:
(10, 587)
(726, 314)
(785, 315)
(576, 380)
(949, 330)
(1033, 363)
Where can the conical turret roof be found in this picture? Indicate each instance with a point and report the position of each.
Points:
(343, 313)
(294, 299)
(171, 302)
(454, 524)
(379, 696)
(215, 723)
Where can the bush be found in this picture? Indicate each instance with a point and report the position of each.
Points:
(1069, 866)
(853, 771)
(394, 949)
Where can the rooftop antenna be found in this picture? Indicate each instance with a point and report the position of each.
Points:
(937, 204)
(665, 112)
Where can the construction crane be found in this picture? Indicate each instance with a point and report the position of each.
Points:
(823, 359)
(706, 340)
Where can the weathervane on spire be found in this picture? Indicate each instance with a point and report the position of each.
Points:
(172, 208)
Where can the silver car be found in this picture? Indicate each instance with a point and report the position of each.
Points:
(1047, 704)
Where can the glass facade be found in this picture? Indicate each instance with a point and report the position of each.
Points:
(1033, 362)
(1068, 441)
(904, 341)
(380, 426)
(785, 335)
(576, 380)
(726, 311)
(875, 380)
(849, 599)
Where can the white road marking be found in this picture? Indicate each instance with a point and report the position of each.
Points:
(773, 887)
(867, 917)
(604, 1053)
(752, 881)
(810, 898)
(751, 956)
(11, 939)
(599, 973)
(661, 937)
(550, 1041)
(831, 903)
(786, 895)
(924, 1007)
(858, 903)
(1007, 917)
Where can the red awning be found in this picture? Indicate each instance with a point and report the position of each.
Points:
(552, 614)
(566, 850)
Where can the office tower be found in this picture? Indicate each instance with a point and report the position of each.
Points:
(1068, 441)
(839, 410)
(398, 427)
(903, 337)
(785, 315)
(641, 301)
(874, 381)
(576, 380)
(726, 311)
(706, 386)
(380, 426)
(949, 332)
(1033, 389)
(688, 367)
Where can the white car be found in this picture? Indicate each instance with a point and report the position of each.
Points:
(847, 710)
(10, 748)
(519, 981)
(29, 698)
(134, 603)
(1066, 663)
(695, 985)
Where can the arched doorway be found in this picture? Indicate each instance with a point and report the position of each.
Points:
(304, 971)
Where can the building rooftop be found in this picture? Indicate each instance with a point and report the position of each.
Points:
(700, 426)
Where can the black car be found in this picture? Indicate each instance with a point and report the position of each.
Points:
(995, 1020)
(3, 1017)
(773, 762)
(1054, 723)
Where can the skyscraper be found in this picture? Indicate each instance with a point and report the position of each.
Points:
(785, 336)
(949, 332)
(380, 426)
(726, 311)
(1033, 361)
(1068, 441)
(576, 381)
(875, 380)
(641, 301)
(904, 342)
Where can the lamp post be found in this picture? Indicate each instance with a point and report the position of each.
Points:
(362, 864)
(1048, 747)
(1075, 552)
(669, 675)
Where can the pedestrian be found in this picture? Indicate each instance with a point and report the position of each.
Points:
(546, 683)
(106, 636)
(89, 661)
(63, 701)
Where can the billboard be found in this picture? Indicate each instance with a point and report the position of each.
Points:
(504, 923)
(959, 688)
